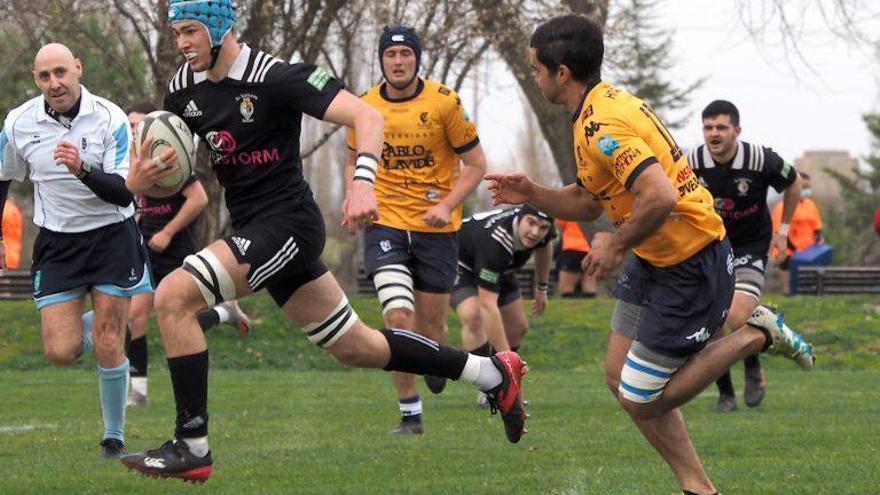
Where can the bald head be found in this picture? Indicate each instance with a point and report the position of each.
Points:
(57, 73)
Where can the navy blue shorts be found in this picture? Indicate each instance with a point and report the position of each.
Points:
(162, 264)
(431, 257)
(111, 259)
(466, 287)
(683, 304)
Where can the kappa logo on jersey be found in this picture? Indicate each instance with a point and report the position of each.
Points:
(242, 244)
(730, 263)
(246, 107)
(591, 129)
(192, 110)
(700, 335)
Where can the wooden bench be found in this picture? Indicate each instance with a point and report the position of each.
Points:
(525, 276)
(16, 284)
(820, 280)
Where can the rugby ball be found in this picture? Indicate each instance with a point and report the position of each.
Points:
(168, 131)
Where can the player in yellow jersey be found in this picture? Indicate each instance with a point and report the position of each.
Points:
(675, 292)
(411, 251)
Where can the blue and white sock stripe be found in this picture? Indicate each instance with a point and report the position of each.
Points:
(410, 407)
(276, 263)
(642, 381)
(418, 338)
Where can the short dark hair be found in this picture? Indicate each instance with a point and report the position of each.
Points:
(573, 41)
(722, 107)
(141, 107)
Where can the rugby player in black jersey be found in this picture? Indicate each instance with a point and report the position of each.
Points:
(492, 246)
(248, 106)
(738, 174)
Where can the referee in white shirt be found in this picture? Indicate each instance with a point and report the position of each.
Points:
(74, 148)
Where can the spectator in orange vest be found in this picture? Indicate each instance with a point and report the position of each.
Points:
(11, 237)
(575, 247)
(804, 231)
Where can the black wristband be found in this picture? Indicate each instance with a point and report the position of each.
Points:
(368, 155)
(543, 286)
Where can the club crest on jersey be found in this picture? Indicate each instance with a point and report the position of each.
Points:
(742, 185)
(385, 246)
(432, 195)
(246, 106)
(424, 120)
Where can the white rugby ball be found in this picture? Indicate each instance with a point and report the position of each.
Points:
(168, 131)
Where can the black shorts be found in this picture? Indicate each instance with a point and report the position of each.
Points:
(111, 259)
(284, 250)
(162, 264)
(466, 287)
(570, 261)
(431, 257)
(683, 304)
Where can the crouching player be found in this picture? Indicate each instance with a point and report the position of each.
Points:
(486, 295)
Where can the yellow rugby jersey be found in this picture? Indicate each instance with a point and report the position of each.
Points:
(424, 135)
(616, 136)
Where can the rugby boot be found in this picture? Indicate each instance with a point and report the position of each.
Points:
(112, 448)
(172, 460)
(408, 427)
(781, 339)
(506, 398)
(435, 384)
(726, 403)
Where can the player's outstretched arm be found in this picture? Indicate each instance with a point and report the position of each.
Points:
(474, 161)
(790, 199)
(196, 201)
(360, 206)
(570, 202)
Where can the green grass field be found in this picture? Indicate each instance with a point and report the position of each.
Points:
(286, 419)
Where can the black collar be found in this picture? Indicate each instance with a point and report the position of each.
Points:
(64, 118)
(590, 85)
(384, 93)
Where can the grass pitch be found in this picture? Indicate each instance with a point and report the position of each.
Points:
(282, 423)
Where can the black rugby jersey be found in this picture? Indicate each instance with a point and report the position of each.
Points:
(251, 122)
(488, 246)
(740, 191)
(155, 213)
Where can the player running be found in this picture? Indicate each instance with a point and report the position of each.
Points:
(738, 174)
(675, 292)
(166, 224)
(248, 105)
(410, 252)
(74, 146)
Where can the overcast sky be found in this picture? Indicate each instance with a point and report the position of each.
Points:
(783, 103)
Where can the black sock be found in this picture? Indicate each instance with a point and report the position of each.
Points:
(484, 350)
(752, 364)
(409, 417)
(208, 319)
(725, 385)
(413, 353)
(686, 492)
(137, 356)
(189, 378)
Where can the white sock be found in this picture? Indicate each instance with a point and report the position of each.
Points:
(198, 446)
(139, 384)
(223, 313)
(480, 371)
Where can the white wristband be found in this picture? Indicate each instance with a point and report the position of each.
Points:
(783, 229)
(366, 167)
